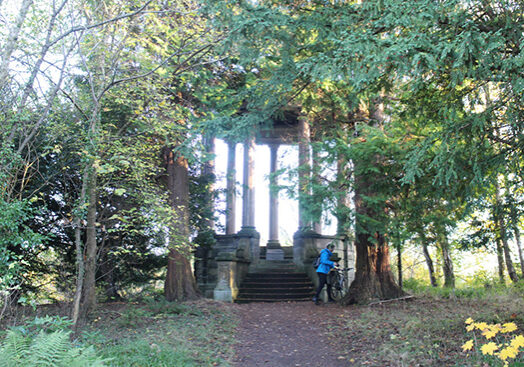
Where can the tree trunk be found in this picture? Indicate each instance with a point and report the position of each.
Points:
(80, 263)
(373, 276)
(447, 263)
(429, 263)
(429, 260)
(180, 283)
(88, 302)
(501, 224)
(507, 255)
(500, 260)
(516, 231)
(399, 260)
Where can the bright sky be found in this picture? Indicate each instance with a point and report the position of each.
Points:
(288, 208)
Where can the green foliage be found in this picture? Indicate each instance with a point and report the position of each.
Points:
(163, 307)
(51, 349)
(138, 353)
(45, 341)
(134, 317)
(488, 289)
(47, 324)
(18, 243)
(180, 334)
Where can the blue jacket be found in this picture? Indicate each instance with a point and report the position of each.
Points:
(325, 264)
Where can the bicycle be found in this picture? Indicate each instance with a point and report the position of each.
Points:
(337, 277)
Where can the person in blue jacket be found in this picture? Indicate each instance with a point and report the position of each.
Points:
(322, 271)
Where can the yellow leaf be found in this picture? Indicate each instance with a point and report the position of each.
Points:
(518, 341)
(508, 327)
(481, 325)
(508, 352)
(489, 348)
(490, 332)
(468, 345)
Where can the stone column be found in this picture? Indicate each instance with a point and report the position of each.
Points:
(230, 190)
(315, 176)
(248, 232)
(274, 250)
(303, 171)
(248, 197)
(273, 196)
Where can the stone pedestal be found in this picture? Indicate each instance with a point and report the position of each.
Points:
(274, 251)
(232, 268)
(249, 239)
(226, 289)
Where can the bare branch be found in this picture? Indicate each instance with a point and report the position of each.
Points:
(12, 41)
(44, 114)
(99, 24)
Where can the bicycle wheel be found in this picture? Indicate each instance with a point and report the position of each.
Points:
(338, 286)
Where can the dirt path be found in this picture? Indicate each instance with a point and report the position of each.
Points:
(287, 335)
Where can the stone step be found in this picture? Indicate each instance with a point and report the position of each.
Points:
(275, 282)
(243, 300)
(288, 252)
(277, 296)
(266, 285)
(275, 276)
(277, 290)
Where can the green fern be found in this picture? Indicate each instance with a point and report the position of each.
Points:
(45, 350)
(13, 349)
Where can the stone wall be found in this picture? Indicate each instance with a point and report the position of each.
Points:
(220, 270)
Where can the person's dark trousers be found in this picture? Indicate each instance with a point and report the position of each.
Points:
(322, 280)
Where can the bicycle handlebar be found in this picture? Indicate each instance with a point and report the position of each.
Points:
(342, 269)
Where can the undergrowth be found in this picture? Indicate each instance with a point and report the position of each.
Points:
(152, 333)
(427, 330)
(160, 333)
(45, 342)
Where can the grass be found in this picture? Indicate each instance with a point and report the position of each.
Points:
(426, 331)
(151, 333)
(160, 334)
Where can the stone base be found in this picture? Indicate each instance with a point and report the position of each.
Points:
(223, 295)
(274, 254)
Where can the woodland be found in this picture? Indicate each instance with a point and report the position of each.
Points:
(109, 109)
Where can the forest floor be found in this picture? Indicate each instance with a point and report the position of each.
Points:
(423, 331)
(294, 334)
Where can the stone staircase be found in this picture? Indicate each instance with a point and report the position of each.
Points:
(275, 281)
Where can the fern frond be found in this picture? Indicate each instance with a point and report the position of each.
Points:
(47, 350)
(84, 358)
(14, 349)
